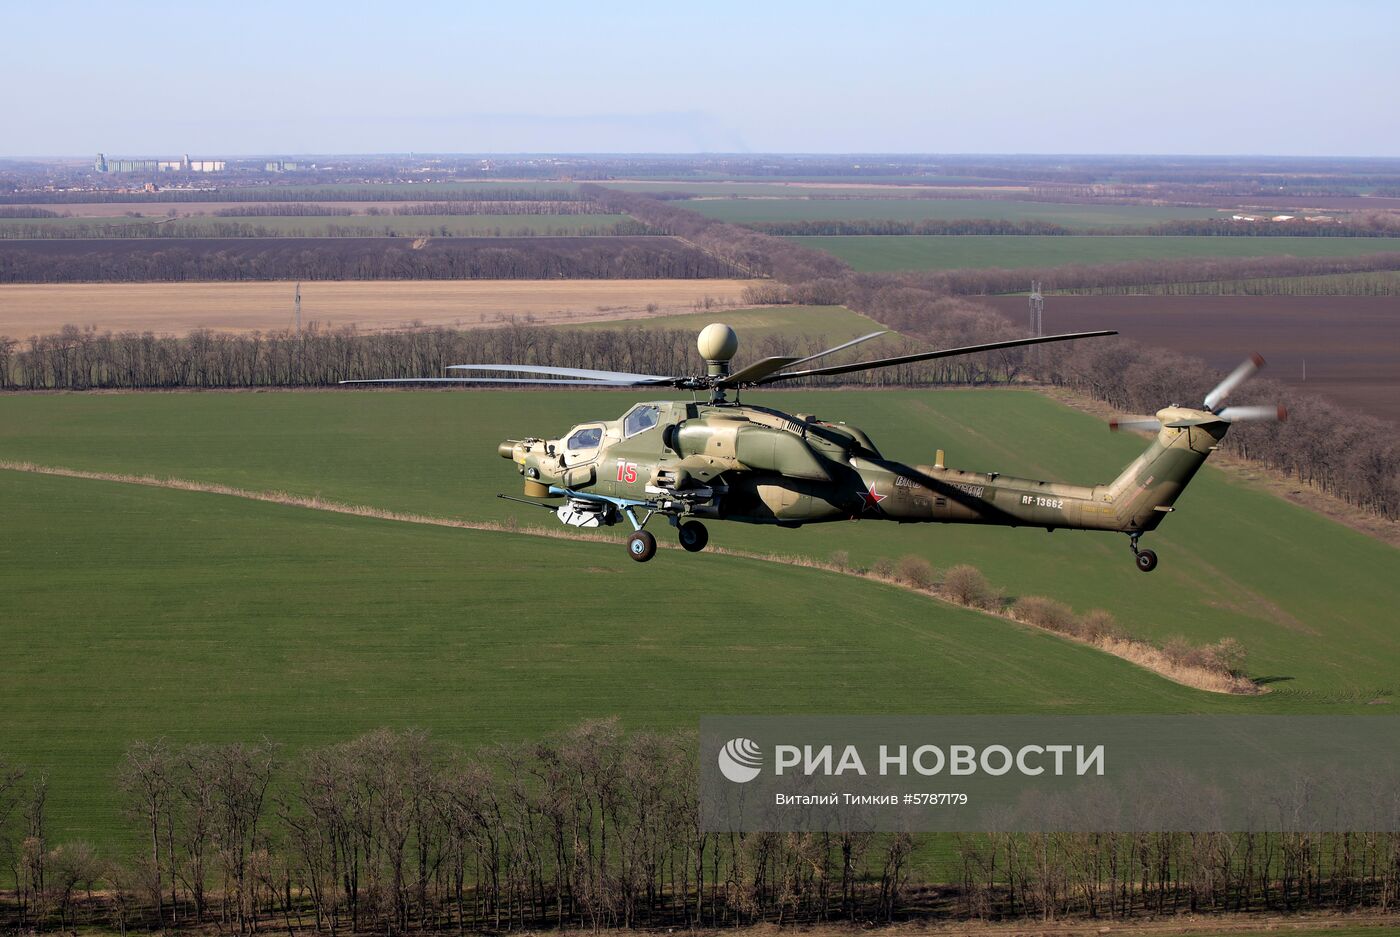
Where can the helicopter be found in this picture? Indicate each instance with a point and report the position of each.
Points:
(720, 459)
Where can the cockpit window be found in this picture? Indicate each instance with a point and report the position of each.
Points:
(587, 438)
(640, 419)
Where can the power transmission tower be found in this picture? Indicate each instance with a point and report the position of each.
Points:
(1037, 310)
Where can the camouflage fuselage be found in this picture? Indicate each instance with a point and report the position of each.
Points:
(762, 466)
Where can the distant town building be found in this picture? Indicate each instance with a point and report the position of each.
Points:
(184, 164)
(281, 165)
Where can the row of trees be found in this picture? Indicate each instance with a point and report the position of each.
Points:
(1140, 273)
(359, 258)
(82, 359)
(1377, 224)
(396, 832)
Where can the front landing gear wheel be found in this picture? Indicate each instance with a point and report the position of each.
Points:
(693, 536)
(641, 546)
(1146, 561)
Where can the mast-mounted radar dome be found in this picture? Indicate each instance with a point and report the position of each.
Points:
(717, 344)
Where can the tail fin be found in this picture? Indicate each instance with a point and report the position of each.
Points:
(1146, 490)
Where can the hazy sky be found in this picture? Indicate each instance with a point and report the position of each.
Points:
(231, 78)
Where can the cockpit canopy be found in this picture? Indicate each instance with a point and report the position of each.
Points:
(640, 418)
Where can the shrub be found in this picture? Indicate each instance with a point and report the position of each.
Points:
(840, 559)
(883, 568)
(1097, 624)
(1045, 613)
(1183, 653)
(1228, 655)
(967, 586)
(916, 571)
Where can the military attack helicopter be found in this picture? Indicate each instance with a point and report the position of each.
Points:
(690, 461)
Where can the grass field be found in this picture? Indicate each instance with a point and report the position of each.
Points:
(134, 612)
(875, 253)
(1312, 601)
(746, 210)
(177, 308)
(343, 225)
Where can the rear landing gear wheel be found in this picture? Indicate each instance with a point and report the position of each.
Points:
(641, 546)
(693, 535)
(1146, 561)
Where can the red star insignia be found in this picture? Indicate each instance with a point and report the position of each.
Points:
(871, 499)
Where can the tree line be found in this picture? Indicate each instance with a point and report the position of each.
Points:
(397, 832)
(1378, 224)
(1377, 283)
(359, 258)
(85, 359)
(1129, 275)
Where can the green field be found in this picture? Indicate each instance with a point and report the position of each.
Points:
(341, 225)
(134, 612)
(747, 210)
(875, 253)
(1312, 601)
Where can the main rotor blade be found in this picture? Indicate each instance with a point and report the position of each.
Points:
(929, 355)
(1276, 414)
(759, 369)
(589, 373)
(490, 380)
(1236, 377)
(766, 366)
(832, 351)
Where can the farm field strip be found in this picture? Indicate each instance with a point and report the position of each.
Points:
(745, 211)
(949, 187)
(1349, 345)
(177, 308)
(884, 253)
(1312, 601)
(155, 210)
(482, 225)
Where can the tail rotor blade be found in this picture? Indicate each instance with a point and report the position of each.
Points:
(1237, 377)
(1138, 426)
(1245, 414)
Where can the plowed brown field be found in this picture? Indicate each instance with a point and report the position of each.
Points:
(1351, 344)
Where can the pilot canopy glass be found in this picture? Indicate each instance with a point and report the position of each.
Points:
(640, 418)
(587, 438)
